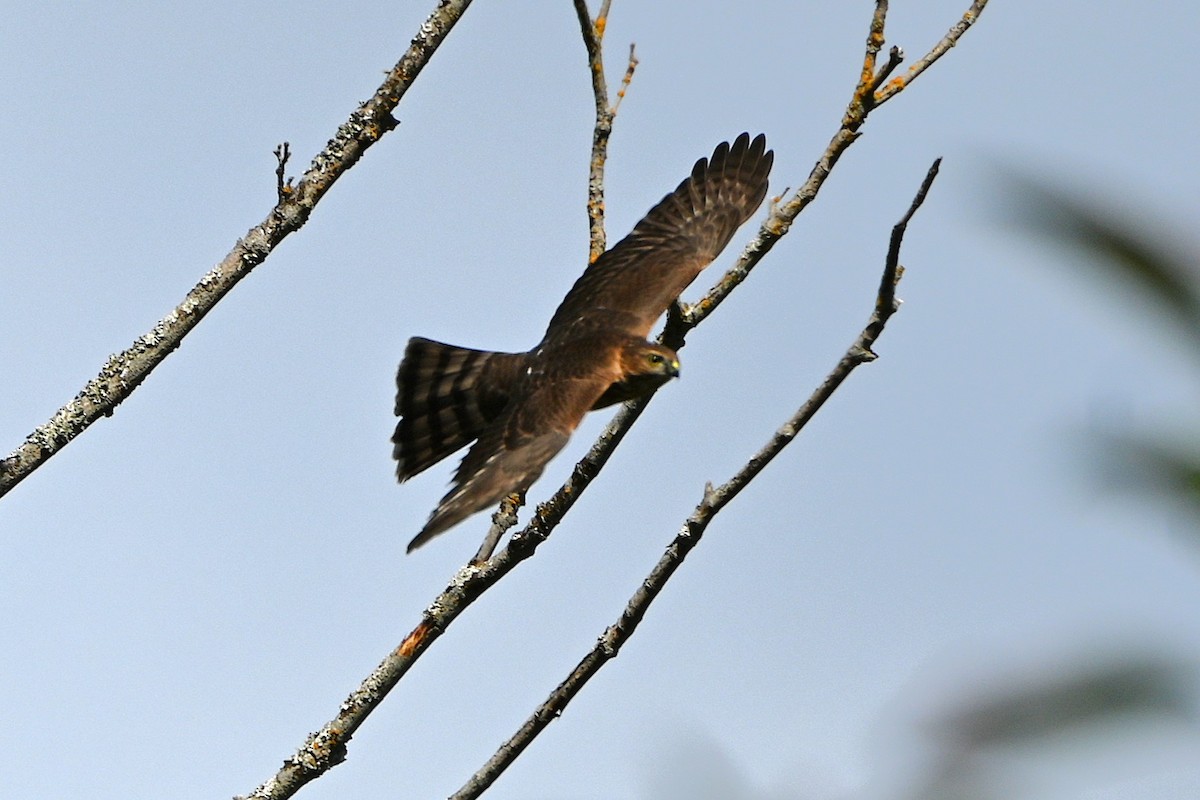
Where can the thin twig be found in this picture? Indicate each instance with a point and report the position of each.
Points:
(628, 79)
(593, 40)
(283, 184)
(503, 520)
(614, 637)
(125, 371)
(887, 304)
(895, 59)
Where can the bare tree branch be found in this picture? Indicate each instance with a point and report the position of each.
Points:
(125, 371)
(614, 637)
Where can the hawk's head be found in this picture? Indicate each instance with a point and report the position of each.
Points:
(644, 367)
(650, 365)
(654, 363)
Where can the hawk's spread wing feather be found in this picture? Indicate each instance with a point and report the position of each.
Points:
(641, 275)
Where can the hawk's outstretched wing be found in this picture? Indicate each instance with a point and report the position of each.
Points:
(638, 278)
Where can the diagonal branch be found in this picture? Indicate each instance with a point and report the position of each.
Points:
(614, 637)
(125, 371)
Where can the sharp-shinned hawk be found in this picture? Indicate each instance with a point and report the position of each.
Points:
(520, 408)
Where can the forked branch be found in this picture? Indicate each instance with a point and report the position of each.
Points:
(865, 99)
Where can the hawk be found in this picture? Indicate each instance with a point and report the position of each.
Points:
(520, 408)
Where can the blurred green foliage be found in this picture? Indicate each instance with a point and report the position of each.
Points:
(1140, 255)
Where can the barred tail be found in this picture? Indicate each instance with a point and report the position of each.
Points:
(445, 398)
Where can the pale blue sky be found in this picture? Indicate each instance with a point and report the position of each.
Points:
(196, 583)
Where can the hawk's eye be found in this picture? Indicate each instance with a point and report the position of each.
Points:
(656, 358)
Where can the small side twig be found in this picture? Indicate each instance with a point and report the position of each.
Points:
(503, 519)
(895, 59)
(862, 101)
(628, 79)
(283, 185)
(614, 637)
